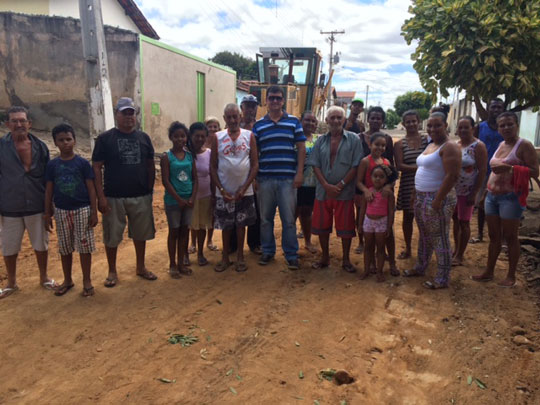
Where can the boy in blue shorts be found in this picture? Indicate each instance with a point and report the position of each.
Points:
(70, 183)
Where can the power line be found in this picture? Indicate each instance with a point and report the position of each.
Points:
(332, 39)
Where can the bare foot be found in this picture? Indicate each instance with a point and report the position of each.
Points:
(364, 275)
(507, 282)
(311, 248)
(380, 277)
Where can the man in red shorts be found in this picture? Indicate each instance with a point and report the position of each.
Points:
(335, 158)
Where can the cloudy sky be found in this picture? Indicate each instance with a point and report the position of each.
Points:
(372, 50)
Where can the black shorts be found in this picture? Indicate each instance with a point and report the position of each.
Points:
(234, 214)
(305, 197)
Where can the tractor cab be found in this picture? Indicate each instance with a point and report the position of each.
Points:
(296, 70)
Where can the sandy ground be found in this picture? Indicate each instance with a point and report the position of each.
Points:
(260, 331)
(403, 344)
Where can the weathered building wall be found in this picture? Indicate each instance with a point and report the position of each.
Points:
(41, 67)
(169, 79)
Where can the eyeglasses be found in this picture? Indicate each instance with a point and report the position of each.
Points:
(275, 98)
(22, 121)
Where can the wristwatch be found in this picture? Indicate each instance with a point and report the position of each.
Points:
(342, 183)
(221, 189)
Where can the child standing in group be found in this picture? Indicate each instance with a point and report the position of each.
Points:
(179, 177)
(376, 219)
(70, 183)
(364, 183)
(201, 219)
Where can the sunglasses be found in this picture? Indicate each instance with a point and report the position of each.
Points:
(275, 98)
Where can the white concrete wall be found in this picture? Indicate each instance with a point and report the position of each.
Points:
(528, 125)
(113, 13)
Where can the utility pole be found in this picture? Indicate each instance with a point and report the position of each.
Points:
(367, 105)
(332, 39)
(100, 107)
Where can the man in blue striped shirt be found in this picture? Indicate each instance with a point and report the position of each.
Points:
(282, 151)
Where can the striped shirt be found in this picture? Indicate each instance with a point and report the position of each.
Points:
(276, 142)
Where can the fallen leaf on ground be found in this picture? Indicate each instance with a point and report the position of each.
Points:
(327, 373)
(301, 374)
(342, 338)
(184, 340)
(166, 380)
(229, 372)
(233, 390)
(469, 380)
(219, 301)
(480, 384)
(297, 344)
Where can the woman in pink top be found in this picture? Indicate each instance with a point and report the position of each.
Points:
(502, 205)
(376, 218)
(201, 219)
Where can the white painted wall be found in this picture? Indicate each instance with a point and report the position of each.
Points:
(527, 125)
(113, 13)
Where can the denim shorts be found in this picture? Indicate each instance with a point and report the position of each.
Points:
(505, 206)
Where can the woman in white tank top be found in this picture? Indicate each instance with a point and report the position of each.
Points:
(435, 199)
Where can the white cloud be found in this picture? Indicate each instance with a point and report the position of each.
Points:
(371, 42)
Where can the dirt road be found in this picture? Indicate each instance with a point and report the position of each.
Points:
(261, 331)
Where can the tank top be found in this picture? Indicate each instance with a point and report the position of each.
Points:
(372, 164)
(503, 183)
(430, 173)
(203, 174)
(180, 177)
(379, 204)
(469, 170)
(233, 161)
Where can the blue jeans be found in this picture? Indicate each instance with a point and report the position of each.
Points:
(278, 193)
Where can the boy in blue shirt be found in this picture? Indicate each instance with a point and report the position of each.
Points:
(70, 182)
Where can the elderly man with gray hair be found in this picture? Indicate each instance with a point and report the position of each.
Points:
(233, 167)
(335, 158)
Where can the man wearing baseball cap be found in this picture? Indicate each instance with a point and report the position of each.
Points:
(353, 123)
(248, 106)
(126, 156)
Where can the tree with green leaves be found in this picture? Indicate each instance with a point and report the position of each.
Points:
(246, 68)
(413, 100)
(487, 48)
(392, 119)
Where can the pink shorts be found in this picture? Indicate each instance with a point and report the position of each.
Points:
(464, 211)
(375, 225)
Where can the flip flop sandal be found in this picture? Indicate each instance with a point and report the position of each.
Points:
(311, 249)
(186, 261)
(222, 267)
(87, 292)
(319, 265)
(202, 261)
(349, 268)
(6, 292)
(185, 271)
(411, 273)
(359, 250)
(240, 267)
(63, 289)
(474, 241)
(174, 273)
(394, 272)
(192, 249)
(147, 275)
(110, 282)
(50, 285)
(212, 247)
(433, 286)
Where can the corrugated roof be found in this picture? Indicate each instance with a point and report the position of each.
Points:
(138, 18)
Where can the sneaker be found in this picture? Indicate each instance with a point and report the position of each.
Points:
(293, 264)
(265, 259)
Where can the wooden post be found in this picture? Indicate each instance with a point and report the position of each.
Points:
(100, 107)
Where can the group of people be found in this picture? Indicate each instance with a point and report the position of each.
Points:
(235, 178)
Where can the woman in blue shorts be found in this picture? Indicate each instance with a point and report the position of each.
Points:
(513, 163)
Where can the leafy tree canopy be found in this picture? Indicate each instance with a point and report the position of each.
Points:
(246, 68)
(487, 48)
(413, 100)
(392, 119)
